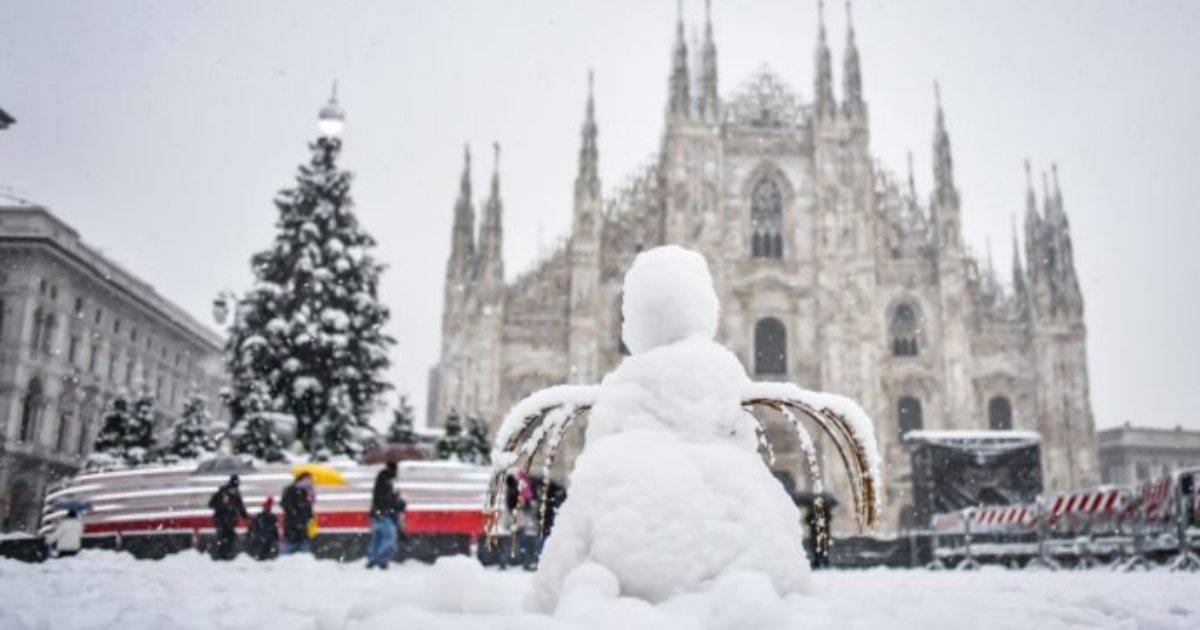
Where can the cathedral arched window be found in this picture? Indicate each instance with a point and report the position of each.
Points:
(770, 347)
(31, 411)
(766, 220)
(1000, 416)
(908, 415)
(903, 328)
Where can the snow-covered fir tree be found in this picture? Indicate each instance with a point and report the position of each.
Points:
(449, 446)
(401, 430)
(478, 446)
(339, 432)
(256, 434)
(310, 330)
(126, 432)
(192, 437)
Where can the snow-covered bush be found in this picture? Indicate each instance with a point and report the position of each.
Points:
(193, 436)
(126, 436)
(401, 430)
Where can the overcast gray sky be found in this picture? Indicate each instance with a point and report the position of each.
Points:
(161, 130)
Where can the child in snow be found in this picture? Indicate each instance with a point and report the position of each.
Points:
(528, 534)
(264, 532)
(67, 537)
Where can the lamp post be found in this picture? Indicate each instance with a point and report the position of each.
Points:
(332, 120)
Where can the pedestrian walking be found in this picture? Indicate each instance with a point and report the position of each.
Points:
(528, 534)
(227, 507)
(502, 537)
(264, 532)
(387, 509)
(297, 503)
(67, 537)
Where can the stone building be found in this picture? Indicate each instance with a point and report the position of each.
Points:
(76, 329)
(1130, 455)
(832, 271)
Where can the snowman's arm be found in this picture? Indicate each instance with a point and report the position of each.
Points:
(538, 420)
(857, 451)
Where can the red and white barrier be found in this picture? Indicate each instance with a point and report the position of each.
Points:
(442, 497)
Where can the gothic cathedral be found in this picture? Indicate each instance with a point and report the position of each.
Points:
(832, 273)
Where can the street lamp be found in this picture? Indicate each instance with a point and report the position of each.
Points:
(332, 119)
(221, 306)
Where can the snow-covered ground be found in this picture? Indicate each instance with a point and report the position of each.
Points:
(101, 589)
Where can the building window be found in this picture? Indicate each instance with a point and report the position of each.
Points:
(31, 411)
(64, 425)
(81, 445)
(112, 365)
(1143, 471)
(1000, 414)
(908, 415)
(73, 350)
(99, 316)
(48, 331)
(35, 337)
(766, 220)
(20, 505)
(903, 328)
(770, 347)
(78, 306)
(93, 356)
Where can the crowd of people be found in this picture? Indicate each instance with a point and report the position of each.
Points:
(266, 539)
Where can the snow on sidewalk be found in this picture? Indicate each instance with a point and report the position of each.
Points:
(100, 589)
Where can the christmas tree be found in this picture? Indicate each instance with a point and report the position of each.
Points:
(401, 429)
(449, 446)
(192, 438)
(255, 435)
(310, 330)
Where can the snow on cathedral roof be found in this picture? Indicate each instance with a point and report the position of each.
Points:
(764, 100)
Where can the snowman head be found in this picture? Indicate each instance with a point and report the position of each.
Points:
(668, 296)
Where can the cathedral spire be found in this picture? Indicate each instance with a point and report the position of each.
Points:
(944, 207)
(943, 164)
(823, 103)
(1030, 197)
(462, 241)
(588, 179)
(851, 72)
(708, 102)
(1018, 273)
(491, 237)
(679, 100)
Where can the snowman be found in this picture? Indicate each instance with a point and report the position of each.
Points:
(670, 492)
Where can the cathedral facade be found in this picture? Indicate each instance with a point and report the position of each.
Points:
(833, 273)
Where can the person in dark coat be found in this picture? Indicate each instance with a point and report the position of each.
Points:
(387, 508)
(297, 504)
(227, 507)
(264, 533)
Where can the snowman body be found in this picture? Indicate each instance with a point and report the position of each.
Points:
(670, 492)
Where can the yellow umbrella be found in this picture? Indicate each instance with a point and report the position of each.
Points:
(322, 475)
